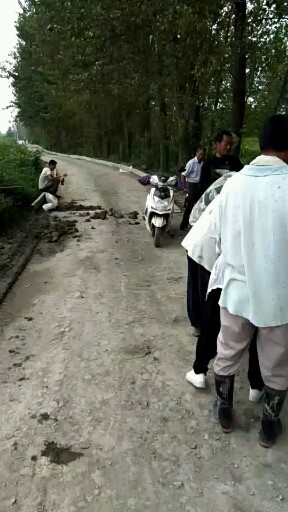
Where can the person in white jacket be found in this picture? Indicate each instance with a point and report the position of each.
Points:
(252, 224)
(201, 247)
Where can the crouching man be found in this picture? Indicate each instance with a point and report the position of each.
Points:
(49, 180)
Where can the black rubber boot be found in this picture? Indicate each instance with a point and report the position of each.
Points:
(271, 425)
(223, 406)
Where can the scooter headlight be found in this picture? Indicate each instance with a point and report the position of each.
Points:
(162, 204)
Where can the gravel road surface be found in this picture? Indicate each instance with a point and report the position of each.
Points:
(96, 413)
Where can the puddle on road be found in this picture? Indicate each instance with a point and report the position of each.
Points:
(61, 455)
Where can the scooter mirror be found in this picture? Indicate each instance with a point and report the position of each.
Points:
(172, 181)
(154, 181)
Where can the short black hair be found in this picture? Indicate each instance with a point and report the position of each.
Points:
(201, 148)
(220, 135)
(274, 133)
(52, 162)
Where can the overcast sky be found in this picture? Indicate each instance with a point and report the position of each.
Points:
(9, 12)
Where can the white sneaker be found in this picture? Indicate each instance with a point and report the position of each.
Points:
(197, 380)
(255, 395)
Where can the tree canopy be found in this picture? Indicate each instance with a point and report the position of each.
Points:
(147, 81)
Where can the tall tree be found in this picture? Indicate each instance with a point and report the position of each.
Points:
(239, 57)
(146, 81)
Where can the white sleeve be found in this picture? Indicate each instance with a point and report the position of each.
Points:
(202, 238)
(218, 215)
(189, 168)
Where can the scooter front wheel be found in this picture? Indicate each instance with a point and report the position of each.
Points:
(157, 237)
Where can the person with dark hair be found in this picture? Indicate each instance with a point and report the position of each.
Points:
(201, 247)
(212, 169)
(221, 162)
(252, 239)
(191, 177)
(49, 180)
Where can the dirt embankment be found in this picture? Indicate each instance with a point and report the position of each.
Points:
(20, 240)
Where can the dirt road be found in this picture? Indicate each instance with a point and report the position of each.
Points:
(94, 349)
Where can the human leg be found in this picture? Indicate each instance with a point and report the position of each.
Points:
(233, 341)
(51, 188)
(206, 348)
(191, 200)
(193, 302)
(273, 359)
(197, 284)
(254, 372)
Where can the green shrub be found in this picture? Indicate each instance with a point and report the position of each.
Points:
(5, 202)
(7, 211)
(19, 167)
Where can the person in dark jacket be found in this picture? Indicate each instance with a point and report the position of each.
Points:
(222, 162)
(212, 169)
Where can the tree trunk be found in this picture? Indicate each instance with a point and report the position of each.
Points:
(219, 84)
(127, 149)
(196, 132)
(164, 145)
(239, 70)
(185, 148)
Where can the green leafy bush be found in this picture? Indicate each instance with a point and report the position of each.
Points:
(19, 174)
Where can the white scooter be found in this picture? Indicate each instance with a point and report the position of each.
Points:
(159, 207)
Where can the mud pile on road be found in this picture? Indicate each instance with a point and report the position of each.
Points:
(19, 242)
(47, 232)
(58, 229)
(73, 206)
(99, 212)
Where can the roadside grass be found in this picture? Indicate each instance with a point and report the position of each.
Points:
(19, 173)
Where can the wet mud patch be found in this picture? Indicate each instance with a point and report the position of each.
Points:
(138, 352)
(17, 365)
(19, 238)
(45, 416)
(19, 242)
(74, 206)
(46, 234)
(61, 228)
(61, 455)
(95, 211)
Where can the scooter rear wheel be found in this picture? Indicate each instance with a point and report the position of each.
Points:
(157, 237)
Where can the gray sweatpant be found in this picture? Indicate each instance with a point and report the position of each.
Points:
(272, 343)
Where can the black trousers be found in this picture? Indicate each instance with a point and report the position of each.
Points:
(194, 194)
(52, 188)
(197, 284)
(205, 314)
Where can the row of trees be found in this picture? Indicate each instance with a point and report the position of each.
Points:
(146, 81)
